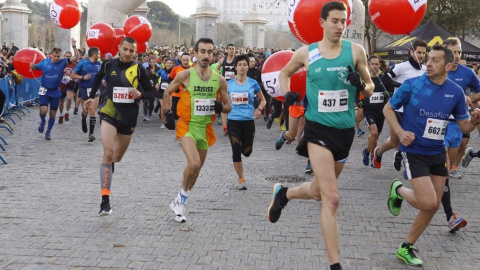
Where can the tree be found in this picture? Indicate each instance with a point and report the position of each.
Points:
(229, 33)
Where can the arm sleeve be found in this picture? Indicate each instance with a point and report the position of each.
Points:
(98, 79)
(475, 86)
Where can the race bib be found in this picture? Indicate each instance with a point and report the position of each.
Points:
(204, 107)
(333, 101)
(123, 95)
(42, 91)
(89, 90)
(164, 86)
(240, 98)
(229, 74)
(435, 129)
(376, 98)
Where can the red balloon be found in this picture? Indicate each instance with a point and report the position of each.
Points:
(271, 69)
(119, 32)
(397, 17)
(141, 47)
(102, 36)
(119, 35)
(65, 13)
(138, 28)
(304, 18)
(22, 60)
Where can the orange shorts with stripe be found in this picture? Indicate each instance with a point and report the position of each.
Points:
(203, 135)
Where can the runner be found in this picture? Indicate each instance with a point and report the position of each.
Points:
(196, 109)
(227, 68)
(241, 120)
(118, 111)
(85, 72)
(336, 73)
(185, 64)
(372, 108)
(52, 74)
(163, 81)
(67, 87)
(401, 72)
(428, 101)
(256, 74)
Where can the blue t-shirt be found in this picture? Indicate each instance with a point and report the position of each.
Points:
(85, 67)
(427, 107)
(466, 78)
(242, 97)
(52, 73)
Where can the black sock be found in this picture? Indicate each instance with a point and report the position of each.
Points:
(336, 266)
(473, 154)
(404, 244)
(84, 117)
(447, 204)
(105, 198)
(93, 121)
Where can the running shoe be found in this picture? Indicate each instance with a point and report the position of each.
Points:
(242, 184)
(67, 117)
(47, 136)
(219, 121)
(41, 127)
(280, 141)
(397, 160)
(407, 255)
(91, 138)
(308, 169)
(455, 174)
(75, 111)
(145, 118)
(360, 132)
(467, 158)
(377, 161)
(277, 120)
(84, 125)
(366, 157)
(282, 128)
(394, 199)
(162, 125)
(179, 210)
(105, 209)
(269, 122)
(371, 162)
(275, 208)
(60, 120)
(456, 223)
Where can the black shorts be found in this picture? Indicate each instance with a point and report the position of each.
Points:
(123, 127)
(338, 141)
(374, 118)
(417, 165)
(159, 93)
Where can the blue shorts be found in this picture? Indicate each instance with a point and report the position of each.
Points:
(453, 136)
(52, 97)
(82, 93)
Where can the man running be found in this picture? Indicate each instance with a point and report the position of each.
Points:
(227, 68)
(85, 72)
(428, 101)
(196, 111)
(52, 74)
(119, 110)
(336, 73)
(67, 88)
(401, 72)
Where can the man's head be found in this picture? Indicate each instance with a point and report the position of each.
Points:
(204, 52)
(127, 49)
(252, 62)
(419, 50)
(56, 55)
(108, 56)
(455, 46)
(185, 60)
(231, 50)
(333, 19)
(374, 65)
(440, 61)
(94, 53)
(67, 54)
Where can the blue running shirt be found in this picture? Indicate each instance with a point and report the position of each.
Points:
(466, 78)
(427, 107)
(241, 97)
(52, 73)
(85, 67)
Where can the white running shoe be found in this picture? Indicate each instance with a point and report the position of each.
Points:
(162, 126)
(178, 209)
(455, 174)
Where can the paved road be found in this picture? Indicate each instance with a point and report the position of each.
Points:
(50, 196)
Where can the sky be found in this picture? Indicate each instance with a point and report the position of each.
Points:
(183, 7)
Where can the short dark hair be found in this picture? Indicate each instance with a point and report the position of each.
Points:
(92, 51)
(419, 43)
(448, 54)
(333, 5)
(452, 42)
(129, 40)
(230, 45)
(185, 54)
(242, 57)
(204, 40)
(56, 50)
(375, 57)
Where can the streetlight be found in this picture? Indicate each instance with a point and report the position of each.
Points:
(180, 21)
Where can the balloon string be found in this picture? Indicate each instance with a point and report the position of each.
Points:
(413, 50)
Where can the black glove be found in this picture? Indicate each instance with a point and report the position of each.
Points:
(218, 107)
(291, 98)
(355, 79)
(360, 104)
(386, 96)
(169, 121)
